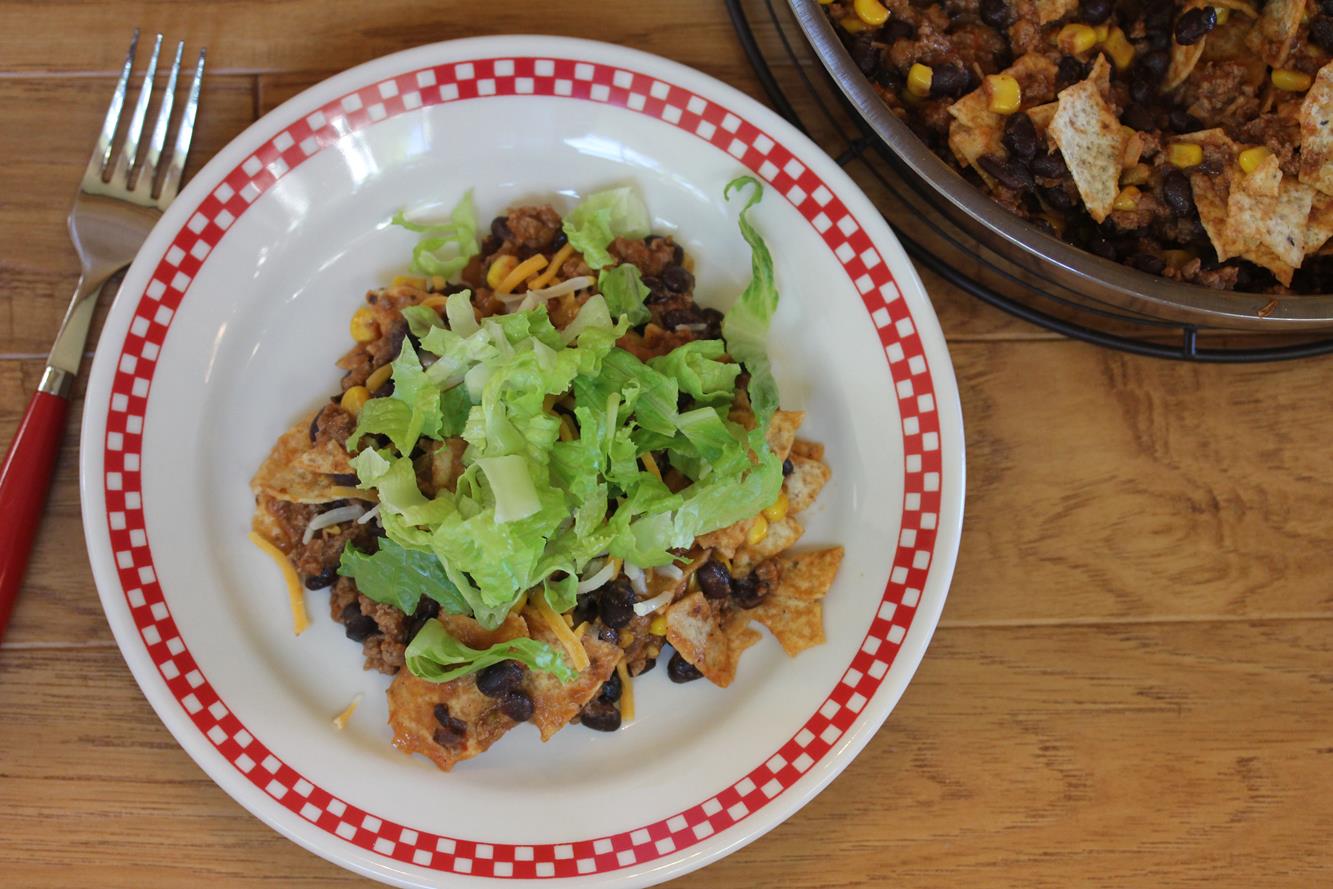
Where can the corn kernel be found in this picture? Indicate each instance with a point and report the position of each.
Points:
(778, 511)
(1119, 49)
(1185, 155)
(1136, 175)
(1251, 158)
(1222, 14)
(1102, 31)
(1128, 199)
(499, 269)
(919, 77)
(1076, 39)
(658, 627)
(363, 326)
(379, 377)
(872, 12)
(1291, 81)
(758, 530)
(354, 399)
(853, 25)
(436, 283)
(408, 281)
(1005, 95)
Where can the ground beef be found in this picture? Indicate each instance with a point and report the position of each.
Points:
(324, 550)
(383, 654)
(1281, 133)
(333, 424)
(654, 341)
(1220, 94)
(290, 520)
(651, 258)
(533, 227)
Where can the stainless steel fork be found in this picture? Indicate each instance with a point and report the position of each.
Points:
(121, 197)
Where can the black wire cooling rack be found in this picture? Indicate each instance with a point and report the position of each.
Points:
(801, 91)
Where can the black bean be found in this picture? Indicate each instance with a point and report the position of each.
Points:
(865, 54)
(1051, 165)
(1020, 136)
(560, 240)
(616, 601)
(517, 706)
(900, 29)
(788, 467)
(608, 634)
(647, 667)
(714, 580)
(1195, 23)
(1326, 7)
(452, 730)
(1141, 90)
(360, 628)
(1321, 32)
(677, 279)
(1094, 12)
(684, 402)
(890, 79)
(681, 670)
(600, 717)
(326, 578)
(585, 608)
(497, 680)
(713, 319)
(1008, 173)
(1154, 64)
(948, 81)
(1058, 199)
(1210, 166)
(677, 254)
(314, 427)
(748, 591)
(1138, 117)
(1177, 193)
(1146, 262)
(611, 689)
(344, 478)
(1102, 247)
(500, 228)
(1070, 71)
(1181, 121)
(996, 13)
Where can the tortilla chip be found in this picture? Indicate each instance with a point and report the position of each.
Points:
(782, 431)
(555, 703)
(793, 610)
(1212, 193)
(712, 638)
(474, 635)
(1273, 34)
(781, 535)
(812, 449)
(1041, 115)
(725, 541)
(1036, 76)
(412, 703)
(282, 476)
(1054, 10)
(1250, 206)
(1088, 134)
(1242, 6)
(806, 480)
(1183, 61)
(1317, 131)
(1319, 225)
(1262, 256)
(1284, 231)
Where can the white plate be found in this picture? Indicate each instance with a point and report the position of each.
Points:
(226, 330)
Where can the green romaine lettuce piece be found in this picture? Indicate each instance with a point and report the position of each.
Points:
(625, 292)
(446, 247)
(421, 320)
(396, 576)
(436, 656)
(698, 372)
(745, 327)
(601, 218)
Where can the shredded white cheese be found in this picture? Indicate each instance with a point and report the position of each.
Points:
(331, 518)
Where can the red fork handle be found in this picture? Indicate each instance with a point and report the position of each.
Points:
(24, 481)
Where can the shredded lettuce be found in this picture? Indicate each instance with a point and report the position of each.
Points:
(395, 575)
(625, 292)
(446, 247)
(421, 320)
(436, 656)
(602, 217)
(745, 327)
(699, 371)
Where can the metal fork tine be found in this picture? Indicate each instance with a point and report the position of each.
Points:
(102, 150)
(125, 163)
(159, 138)
(184, 133)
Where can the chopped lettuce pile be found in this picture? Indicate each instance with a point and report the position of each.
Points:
(567, 435)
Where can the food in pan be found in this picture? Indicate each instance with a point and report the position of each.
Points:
(1190, 140)
(548, 468)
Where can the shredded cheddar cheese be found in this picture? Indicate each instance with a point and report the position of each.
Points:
(553, 269)
(626, 692)
(345, 492)
(650, 465)
(578, 656)
(521, 272)
(379, 377)
(340, 721)
(296, 598)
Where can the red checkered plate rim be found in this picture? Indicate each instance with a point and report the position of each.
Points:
(480, 70)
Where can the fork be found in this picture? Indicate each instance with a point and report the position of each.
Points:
(115, 208)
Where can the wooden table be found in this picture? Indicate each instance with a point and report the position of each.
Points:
(1132, 684)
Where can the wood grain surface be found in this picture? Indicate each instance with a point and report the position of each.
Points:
(1132, 684)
